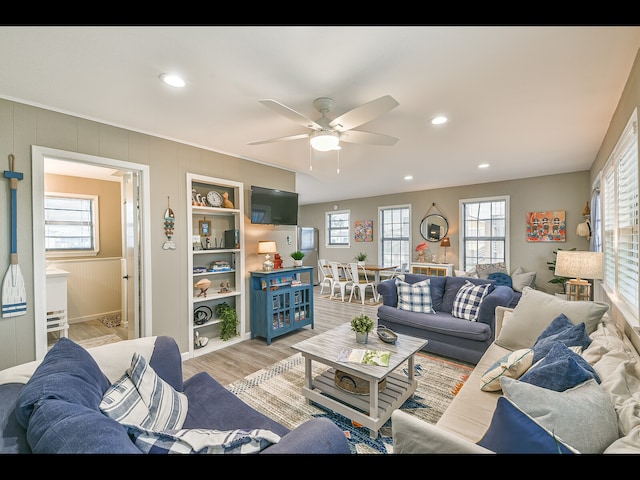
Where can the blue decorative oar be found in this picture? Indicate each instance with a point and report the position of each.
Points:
(14, 295)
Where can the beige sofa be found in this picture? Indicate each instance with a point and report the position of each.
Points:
(471, 413)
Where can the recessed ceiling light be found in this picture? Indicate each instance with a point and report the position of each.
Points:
(408, 177)
(483, 165)
(439, 120)
(173, 80)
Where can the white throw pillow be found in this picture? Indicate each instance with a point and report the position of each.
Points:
(536, 310)
(485, 269)
(143, 399)
(512, 365)
(521, 279)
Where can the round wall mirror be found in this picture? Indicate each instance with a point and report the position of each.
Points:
(434, 227)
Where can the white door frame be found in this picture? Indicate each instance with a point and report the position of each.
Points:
(38, 155)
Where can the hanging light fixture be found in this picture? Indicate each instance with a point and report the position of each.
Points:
(324, 140)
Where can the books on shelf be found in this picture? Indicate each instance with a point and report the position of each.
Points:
(364, 356)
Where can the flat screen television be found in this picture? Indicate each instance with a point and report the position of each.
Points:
(273, 207)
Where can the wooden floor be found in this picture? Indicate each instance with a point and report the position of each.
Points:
(237, 361)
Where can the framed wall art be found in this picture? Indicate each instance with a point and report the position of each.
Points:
(205, 228)
(547, 226)
(363, 231)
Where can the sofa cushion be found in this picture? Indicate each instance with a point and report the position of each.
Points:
(582, 417)
(536, 310)
(414, 297)
(468, 300)
(59, 426)
(202, 441)
(560, 330)
(485, 269)
(512, 365)
(501, 278)
(451, 288)
(144, 399)
(67, 372)
(522, 279)
(513, 431)
(559, 370)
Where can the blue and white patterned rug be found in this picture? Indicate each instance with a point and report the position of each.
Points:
(276, 392)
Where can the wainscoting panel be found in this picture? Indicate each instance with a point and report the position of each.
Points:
(94, 288)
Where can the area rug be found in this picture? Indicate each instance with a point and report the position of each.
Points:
(98, 341)
(111, 320)
(276, 392)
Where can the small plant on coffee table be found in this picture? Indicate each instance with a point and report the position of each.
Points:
(362, 324)
(228, 321)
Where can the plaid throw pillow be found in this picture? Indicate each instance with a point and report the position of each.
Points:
(415, 297)
(468, 300)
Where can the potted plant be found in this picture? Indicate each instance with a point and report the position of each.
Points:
(228, 320)
(556, 280)
(297, 258)
(361, 257)
(362, 325)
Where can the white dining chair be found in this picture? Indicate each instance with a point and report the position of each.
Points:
(342, 284)
(400, 271)
(360, 282)
(326, 277)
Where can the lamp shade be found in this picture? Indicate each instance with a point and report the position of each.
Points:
(579, 264)
(324, 140)
(267, 246)
(446, 242)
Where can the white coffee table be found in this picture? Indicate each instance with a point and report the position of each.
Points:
(374, 409)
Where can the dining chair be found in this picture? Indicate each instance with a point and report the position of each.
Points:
(401, 270)
(360, 282)
(342, 283)
(326, 277)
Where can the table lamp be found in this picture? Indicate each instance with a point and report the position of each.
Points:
(580, 265)
(446, 242)
(267, 247)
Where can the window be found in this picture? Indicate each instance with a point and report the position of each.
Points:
(395, 238)
(484, 231)
(338, 229)
(620, 220)
(70, 224)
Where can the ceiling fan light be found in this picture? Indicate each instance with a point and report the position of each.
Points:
(324, 140)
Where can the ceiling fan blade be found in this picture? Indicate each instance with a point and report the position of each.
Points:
(364, 113)
(357, 136)
(288, 137)
(291, 114)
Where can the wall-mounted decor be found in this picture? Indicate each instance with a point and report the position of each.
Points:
(363, 230)
(546, 226)
(205, 228)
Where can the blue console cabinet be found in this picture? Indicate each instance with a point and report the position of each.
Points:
(280, 301)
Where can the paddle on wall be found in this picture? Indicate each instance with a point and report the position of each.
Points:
(14, 295)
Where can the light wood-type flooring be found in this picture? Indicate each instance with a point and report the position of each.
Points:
(237, 361)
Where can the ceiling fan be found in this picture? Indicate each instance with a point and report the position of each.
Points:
(326, 134)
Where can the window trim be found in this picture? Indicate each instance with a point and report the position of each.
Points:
(327, 217)
(463, 236)
(95, 227)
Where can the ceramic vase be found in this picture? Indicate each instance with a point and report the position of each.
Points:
(362, 337)
(297, 263)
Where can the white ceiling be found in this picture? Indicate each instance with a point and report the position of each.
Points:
(528, 100)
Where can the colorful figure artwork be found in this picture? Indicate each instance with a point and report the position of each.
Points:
(546, 226)
(363, 231)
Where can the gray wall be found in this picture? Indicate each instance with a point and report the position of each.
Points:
(22, 126)
(567, 192)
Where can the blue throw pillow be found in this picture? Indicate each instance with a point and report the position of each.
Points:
(561, 329)
(560, 369)
(67, 372)
(513, 431)
(501, 279)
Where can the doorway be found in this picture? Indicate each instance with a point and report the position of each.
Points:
(135, 276)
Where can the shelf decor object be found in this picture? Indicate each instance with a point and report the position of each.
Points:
(579, 265)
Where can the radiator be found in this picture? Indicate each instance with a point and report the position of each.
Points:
(94, 288)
